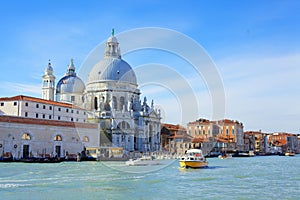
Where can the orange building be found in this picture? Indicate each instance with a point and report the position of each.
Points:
(174, 138)
(255, 141)
(283, 142)
(216, 136)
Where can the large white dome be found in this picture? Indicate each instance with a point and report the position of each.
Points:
(112, 69)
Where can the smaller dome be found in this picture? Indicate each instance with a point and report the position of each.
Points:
(70, 84)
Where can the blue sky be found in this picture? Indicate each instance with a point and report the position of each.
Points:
(255, 46)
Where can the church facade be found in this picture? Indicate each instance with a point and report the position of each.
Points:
(112, 96)
(112, 99)
(109, 103)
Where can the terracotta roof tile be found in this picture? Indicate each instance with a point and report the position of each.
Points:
(23, 120)
(38, 100)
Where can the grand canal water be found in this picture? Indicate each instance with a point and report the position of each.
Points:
(272, 177)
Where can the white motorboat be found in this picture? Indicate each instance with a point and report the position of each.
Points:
(143, 161)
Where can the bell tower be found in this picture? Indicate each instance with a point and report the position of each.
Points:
(48, 83)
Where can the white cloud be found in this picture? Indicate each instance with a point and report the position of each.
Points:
(263, 92)
(21, 88)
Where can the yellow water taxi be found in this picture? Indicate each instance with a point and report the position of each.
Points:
(193, 159)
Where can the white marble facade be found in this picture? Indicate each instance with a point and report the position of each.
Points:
(111, 96)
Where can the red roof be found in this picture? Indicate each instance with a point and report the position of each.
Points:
(173, 127)
(38, 100)
(201, 120)
(23, 120)
(219, 122)
(252, 132)
(199, 140)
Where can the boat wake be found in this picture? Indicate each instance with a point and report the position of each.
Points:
(12, 185)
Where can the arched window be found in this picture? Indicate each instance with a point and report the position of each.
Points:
(26, 136)
(115, 103)
(57, 138)
(122, 102)
(96, 103)
(86, 139)
(124, 125)
(127, 125)
(150, 129)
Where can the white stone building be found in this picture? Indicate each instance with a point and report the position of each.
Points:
(31, 107)
(42, 127)
(29, 137)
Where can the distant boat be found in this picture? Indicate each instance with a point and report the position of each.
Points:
(225, 156)
(289, 153)
(193, 159)
(143, 161)
(41, 160)
(7, 159)
(244, 154)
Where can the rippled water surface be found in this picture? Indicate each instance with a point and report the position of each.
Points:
(270, 177)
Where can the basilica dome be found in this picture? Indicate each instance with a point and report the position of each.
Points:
(70, 83)
(112, 67)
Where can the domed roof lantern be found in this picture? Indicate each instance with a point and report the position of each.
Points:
(71, 69)
(112, 67)
(112, 46)
(49, 69)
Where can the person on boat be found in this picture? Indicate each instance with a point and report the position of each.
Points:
(67, 155)
(78, 157)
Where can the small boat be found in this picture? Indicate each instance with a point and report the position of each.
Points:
(225, 156)
(40, 160)
(193, 159)
(143, 161)
(289, 153)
